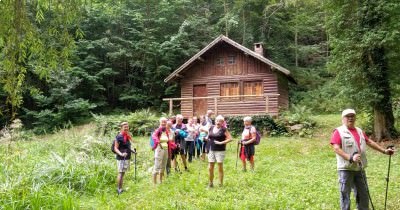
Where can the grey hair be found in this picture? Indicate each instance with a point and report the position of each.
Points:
(163, 119)
(179, 116)
(247, 119)
(219, 117)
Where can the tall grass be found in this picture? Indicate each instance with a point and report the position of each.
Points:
(75, 169)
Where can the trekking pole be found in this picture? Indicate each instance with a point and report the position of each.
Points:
(388, 173)
(134, 152)
(365, 183)
(237, 154)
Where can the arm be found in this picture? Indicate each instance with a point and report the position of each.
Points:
(378, 148)
(338, 150)
(227, 139)
(116, 146)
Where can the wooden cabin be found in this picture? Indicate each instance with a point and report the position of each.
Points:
(230, 79)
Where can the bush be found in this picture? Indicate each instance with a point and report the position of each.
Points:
(264, 123)
(141, 122)
(298, 121)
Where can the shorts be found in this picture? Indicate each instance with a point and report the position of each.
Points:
(160, 160)
(216, 156)
(247, 152)
(123, 165)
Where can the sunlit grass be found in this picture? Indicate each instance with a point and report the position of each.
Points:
(74, 169)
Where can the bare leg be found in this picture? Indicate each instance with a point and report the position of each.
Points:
(120, 180)
(244, 164)
(161, 176)
(211, 174)
(252, 164)
(184, 161)
(155, 178)
(221, 173)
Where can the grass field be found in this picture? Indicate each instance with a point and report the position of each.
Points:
(75, 169)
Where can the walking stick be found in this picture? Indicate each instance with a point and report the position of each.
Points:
(388, 173)
(134, 152)
(237, 154)
(365, 183)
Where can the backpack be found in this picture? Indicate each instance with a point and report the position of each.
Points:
(258, 136)
(152, 140)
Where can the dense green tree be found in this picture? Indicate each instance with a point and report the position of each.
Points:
(363, 36)
(34, 36)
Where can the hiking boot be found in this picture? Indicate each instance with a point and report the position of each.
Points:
(186, 169)
(210, 185)
(119, 191)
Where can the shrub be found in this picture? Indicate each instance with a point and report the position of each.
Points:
(298, 121)
(141, 122)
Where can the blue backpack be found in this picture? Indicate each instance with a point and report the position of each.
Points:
(152, 140)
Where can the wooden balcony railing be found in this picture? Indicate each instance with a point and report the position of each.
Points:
(266, 96)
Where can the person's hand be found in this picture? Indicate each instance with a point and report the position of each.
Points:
(389, 151)
(357, 158)
(124, 154)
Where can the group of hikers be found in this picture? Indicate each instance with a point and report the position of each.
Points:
(173, 139)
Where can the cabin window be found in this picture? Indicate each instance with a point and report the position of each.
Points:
(229, 89)
(253, 88)
(219, 61)
(231, 59)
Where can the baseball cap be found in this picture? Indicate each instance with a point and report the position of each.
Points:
(348, 111)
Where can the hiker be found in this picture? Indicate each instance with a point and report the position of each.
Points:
(123, 150)
(203, 135)
(208, 117)
(247, 148)
(197, 141)
(218, 137)
(180, 134)
(162, 144)
(349, 143)
(189, 140)
(172, 146)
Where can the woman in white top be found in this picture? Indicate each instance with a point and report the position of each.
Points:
(247, 149)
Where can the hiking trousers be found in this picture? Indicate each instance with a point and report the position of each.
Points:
(349, 180)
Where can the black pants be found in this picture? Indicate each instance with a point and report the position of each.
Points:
(190, 150)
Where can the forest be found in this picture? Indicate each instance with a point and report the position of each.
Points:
(60, 61)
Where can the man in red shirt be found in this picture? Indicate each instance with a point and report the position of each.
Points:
(349, 143)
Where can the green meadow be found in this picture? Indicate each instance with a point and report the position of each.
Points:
(75, 169)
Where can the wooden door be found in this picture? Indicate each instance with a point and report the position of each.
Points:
(199, 105)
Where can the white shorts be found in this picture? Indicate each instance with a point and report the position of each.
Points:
(216, 156)
(123, 165)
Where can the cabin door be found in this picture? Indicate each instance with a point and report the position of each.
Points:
(199, 105)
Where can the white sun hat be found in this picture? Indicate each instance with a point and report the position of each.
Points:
(348, 111)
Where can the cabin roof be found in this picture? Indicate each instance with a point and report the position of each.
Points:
(245, 50)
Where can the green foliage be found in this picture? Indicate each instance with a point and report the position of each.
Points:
(264, 123)
(141, 122)
(58, 105)
(298, 121)
(34, 37)
(75, 168)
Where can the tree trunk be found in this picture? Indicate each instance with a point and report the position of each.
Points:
(383, 109)
(383, 124)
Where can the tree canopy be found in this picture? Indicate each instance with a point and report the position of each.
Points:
(60, 61)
